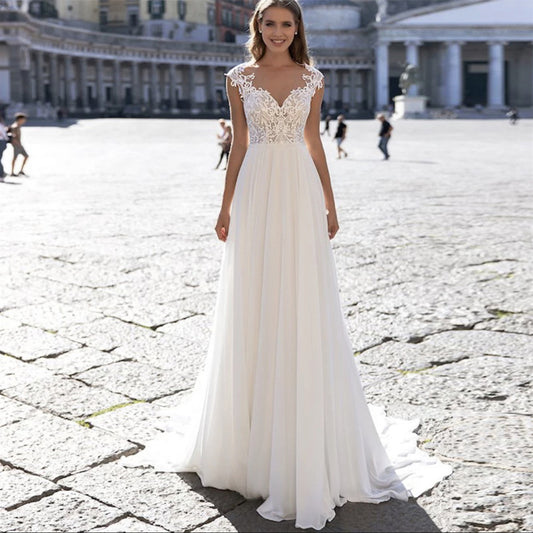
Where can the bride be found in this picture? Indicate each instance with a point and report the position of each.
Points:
(278, 411)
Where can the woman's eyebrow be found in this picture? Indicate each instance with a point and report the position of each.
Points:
(270, 20)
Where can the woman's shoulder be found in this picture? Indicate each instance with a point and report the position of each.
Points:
(313, 70)
(315, 76)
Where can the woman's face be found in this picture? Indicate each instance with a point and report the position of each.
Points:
(277, 28)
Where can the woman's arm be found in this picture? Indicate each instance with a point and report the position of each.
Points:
(314, 145)
(236, 156)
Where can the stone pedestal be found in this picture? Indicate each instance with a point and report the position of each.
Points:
(406, 106)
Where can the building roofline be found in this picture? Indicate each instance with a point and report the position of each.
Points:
(427, 10)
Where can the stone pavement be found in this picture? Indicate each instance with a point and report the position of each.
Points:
(110, 263)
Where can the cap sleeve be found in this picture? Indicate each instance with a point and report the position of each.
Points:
(239, 79)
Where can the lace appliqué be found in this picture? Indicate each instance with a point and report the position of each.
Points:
(269, 122)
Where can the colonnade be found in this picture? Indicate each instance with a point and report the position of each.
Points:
(453, 68)
(99, 84)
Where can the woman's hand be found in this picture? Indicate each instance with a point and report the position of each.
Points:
(333, 225)
(222, 226)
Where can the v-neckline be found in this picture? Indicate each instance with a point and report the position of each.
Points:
(262, 89)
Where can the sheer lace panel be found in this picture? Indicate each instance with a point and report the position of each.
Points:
(269, 122)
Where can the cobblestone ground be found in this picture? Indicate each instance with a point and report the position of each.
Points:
(109, 267)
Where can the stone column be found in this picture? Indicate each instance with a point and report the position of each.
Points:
(382, 75)
(496, 78)
(39, 82)
(332, 87)
(412, 57)
(54, 80)
(135, 83)
(83, 84)
(353, 104)
(454, 72)
(100, 92)
(154, 87)
(369, 88)
(211, 93)
(191, 87)
(172, 87)
(117, 86)
(67, 60)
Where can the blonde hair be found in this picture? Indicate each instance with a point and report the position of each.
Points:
(298, 49)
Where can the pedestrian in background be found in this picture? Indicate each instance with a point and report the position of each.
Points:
(225, 137)
(4, 139)
(512, 114)
(384, 135)
(16, 140)
(340, 136)
(327, 120)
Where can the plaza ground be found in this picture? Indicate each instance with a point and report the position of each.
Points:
(110, 263)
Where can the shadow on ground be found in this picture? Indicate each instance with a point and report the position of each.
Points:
(393, 516)
(65, 123)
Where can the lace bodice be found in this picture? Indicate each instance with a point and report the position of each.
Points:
(269, 122)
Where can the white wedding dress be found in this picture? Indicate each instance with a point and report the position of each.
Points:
(278, 411)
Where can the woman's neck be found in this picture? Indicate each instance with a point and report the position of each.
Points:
(276, 60)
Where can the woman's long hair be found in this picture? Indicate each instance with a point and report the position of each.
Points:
(298, 49)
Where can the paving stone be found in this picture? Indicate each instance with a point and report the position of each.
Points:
(138, 381)
(511, 323)
(29, 343)
(79, 360)
(18, 487)
(62, 511)
(53, 447)
(162, 498)
(14, 372)
(138, 422)
(167, 352)
(433, 390)
(52, 315)
(8, 323)
(480, 342)
(501, 440)
(129, 524)
(65, 396)
(479, 498)
(408, 356)
(196, 329)
(105, 334)
(13, 411)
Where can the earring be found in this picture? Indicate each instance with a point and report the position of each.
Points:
(296, 33)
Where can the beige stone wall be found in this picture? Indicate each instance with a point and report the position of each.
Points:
(196, 10)
(74, 10)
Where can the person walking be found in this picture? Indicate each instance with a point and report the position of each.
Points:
(340, 136)
(4, 139)
(16, 140)
(224, 142)
(384, 135)
(278, 411)
(327, 120)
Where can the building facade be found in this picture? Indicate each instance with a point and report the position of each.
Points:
(86, 59)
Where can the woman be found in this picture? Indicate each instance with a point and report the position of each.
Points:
(279, 412)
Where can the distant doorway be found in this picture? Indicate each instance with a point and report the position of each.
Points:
(476, 77)
(475, 83)
(394, 88)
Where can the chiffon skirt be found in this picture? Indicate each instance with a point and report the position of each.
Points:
(278, 411)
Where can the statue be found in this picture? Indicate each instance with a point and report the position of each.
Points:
(382, 10)
(408, 78)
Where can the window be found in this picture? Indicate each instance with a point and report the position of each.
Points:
(182, 9)
(103, 17)
(156, 8)
(133, 18)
